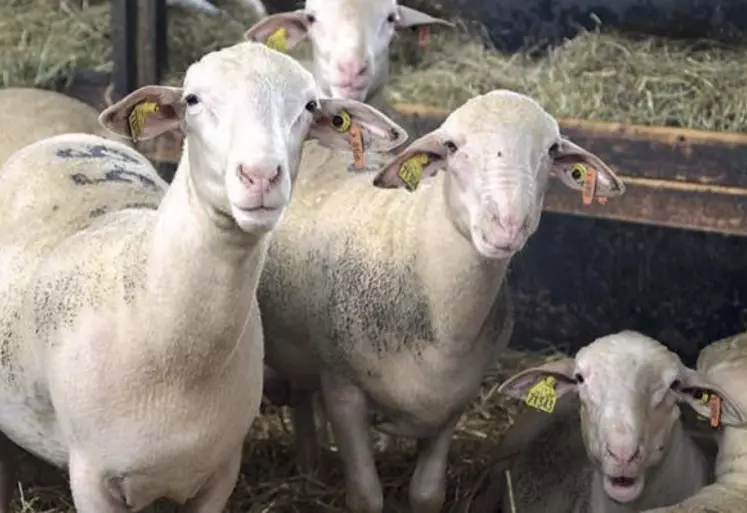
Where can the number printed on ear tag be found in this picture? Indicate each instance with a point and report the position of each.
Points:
(542, 395)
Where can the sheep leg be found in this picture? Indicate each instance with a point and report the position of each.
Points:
(322, 425)
(347, 411)
(428, 483)
(276, 388)
(8, 466)
(215, 494)
(304, 430)
(90, 493)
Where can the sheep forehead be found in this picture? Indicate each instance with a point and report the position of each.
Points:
(253, 66)
(365, 10)
(628, 359)
(506, 112)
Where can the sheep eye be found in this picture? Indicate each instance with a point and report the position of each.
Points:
(676, 384)
(312, 106)
(578, 378)
(553, 149)
(391, 18)
(451, 146)
(192, 99)
(310, 18)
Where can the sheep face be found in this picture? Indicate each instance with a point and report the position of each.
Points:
(498, 150)
(629, 388)
(246, 111)
(350, 40)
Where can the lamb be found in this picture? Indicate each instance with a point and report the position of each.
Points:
(724, 363)
(28, 115)
(628, 387)
(392, 301)
(350, 40)
(132, 344)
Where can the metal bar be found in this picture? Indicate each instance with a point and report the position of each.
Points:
(161, 28)
(123, 26)
(151, 41)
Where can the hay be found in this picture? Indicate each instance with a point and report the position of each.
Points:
(43, 42)
(608, 77)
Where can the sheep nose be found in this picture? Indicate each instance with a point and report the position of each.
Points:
(354, 68)
(624, 453)
(511, 226)
(258, 179)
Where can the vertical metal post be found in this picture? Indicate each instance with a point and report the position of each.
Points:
(123, 26)
(151, 41)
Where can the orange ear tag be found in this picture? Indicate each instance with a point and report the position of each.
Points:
(424, 36)
(715, 404)
(356, 144)
(590, 185)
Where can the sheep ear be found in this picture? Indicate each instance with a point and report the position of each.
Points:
(540, 387)
(410, 18)
(421, 159)
(145, 113)
(709, 400)
(282, 31)
(572, 163)
(339, 121)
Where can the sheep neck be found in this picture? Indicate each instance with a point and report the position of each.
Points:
(464, 285)
(201, 277)
(731, 463)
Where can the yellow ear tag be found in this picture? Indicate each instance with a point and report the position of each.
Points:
(342, 121)
(542, 395)
(411, 170)
(278, 40)
(137, 116)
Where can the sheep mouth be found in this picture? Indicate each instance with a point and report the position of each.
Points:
(259, 210)
(622, 488)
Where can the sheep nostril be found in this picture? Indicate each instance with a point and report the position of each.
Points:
(278, 172)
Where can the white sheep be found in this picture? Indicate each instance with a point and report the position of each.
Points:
(724, 363)
(132, 345)
(28, 115)
(393, 300)
(350, 40)
(627, 387)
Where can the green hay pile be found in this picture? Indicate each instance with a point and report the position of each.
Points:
(269, 482)
(42, 42)
(594, 76)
